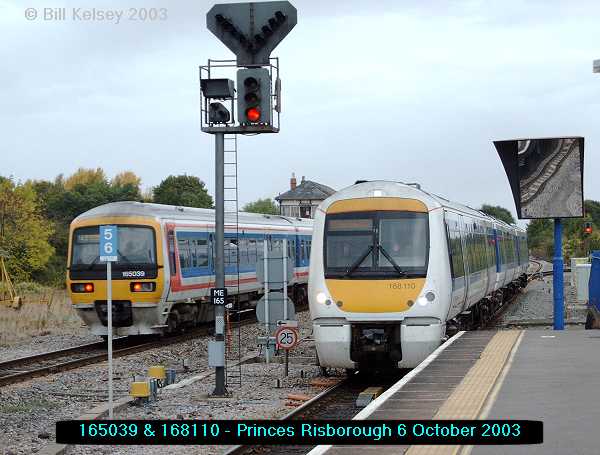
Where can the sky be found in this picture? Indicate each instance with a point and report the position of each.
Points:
(412, 91)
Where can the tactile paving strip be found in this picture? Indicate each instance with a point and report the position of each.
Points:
(468, 398)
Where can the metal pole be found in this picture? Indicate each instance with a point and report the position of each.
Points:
(557, 267)
(110, 337)
(285, 308)
(285, 258)
(267, 322)
(220, 389)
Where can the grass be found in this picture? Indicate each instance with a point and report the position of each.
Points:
(27, 406)
(44, 310)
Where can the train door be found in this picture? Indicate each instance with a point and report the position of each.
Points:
(457, 265)
(490, 257)
(464, 238)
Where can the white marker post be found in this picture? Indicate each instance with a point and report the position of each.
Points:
(267, 326)
(109, 247)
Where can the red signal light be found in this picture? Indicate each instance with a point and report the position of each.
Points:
(588, 230)
(253, 114)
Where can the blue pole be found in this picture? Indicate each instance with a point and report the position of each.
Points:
(557, 267)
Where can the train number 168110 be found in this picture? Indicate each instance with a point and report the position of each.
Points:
(402, 285)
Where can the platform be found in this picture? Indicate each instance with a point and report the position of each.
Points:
(510, 374)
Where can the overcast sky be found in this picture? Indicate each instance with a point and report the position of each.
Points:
(396, 90)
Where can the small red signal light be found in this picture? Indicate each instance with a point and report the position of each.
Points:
(588, 230)
(253, 114)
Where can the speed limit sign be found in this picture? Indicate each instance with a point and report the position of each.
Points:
(286, 337)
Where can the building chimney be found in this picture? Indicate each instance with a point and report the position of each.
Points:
(302, 180)
(293, 182)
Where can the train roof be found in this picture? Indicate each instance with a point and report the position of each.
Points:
(171, 212)
(412, 190)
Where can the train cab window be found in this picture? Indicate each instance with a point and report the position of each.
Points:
(405, 240)
(376, 244)
(136, 246)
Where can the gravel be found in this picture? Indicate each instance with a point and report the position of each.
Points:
(536, 304)
(28, 411)
(45, 343)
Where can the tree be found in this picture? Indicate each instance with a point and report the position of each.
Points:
(61, 205)
(183, 190)
(85, 176)
(24, 232)
(266, 206)
(498, 212)
(126, 178)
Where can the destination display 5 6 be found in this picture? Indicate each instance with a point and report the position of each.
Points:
(273, 432)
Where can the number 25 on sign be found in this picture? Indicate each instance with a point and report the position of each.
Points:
(286, 337)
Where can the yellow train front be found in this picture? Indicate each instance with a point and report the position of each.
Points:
(137, 277)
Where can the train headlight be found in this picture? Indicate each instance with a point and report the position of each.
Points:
(82, 287)
(422, 301)
(146, 286)
(321, 298)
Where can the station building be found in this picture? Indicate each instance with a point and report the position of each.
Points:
(302, 200)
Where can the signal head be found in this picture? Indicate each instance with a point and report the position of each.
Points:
(253, 114)
(250, 83)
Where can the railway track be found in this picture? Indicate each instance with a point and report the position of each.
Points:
(47, 363)
(335, 403)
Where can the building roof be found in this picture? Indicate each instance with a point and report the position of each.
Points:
(307, 190)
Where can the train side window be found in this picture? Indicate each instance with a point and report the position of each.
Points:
(252, 253)
(201, 253)
(184, 253)
(172, 258)
(308, 247)
(458, 265)
(243, 251)
(231, 251)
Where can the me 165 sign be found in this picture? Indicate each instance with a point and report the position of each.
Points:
(252, 30)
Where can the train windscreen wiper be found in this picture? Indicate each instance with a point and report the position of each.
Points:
(394, 264)
(358, 262)
(91, 266)
(124, 258)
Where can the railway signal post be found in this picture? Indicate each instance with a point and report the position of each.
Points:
(251, 31)
(109, 248)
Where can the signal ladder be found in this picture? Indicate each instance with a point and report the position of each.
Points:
(233, 352)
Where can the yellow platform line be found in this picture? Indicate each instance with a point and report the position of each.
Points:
(469, 397)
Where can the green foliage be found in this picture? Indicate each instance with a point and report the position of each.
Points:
(183, 190)
(498, 212)
(35, 216)
(24, 233)
(266, 206)
(540, 234)
(63, 200)
(85, 176)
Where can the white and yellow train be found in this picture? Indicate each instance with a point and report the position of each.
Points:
(164, 272)
(391, 265)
